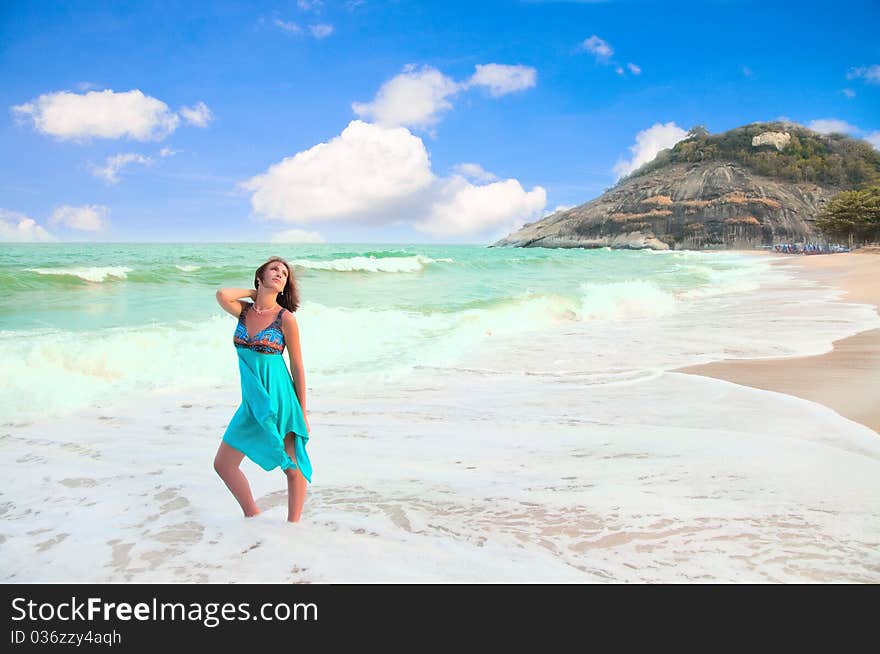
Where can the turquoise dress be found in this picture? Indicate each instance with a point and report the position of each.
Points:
(269, 407)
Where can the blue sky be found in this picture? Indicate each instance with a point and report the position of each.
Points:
(441, 122)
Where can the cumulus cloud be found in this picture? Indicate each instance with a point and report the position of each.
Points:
(16, 227)
(100, 114)
(463, 208)
(870, 74)
(849, 93)
(110, 171)
(474, 172)
(874, 139)
(365, 169)
(90, 218)
(634, 69)
(501, 79)
(167, 152)
(297, 236)
(199, 115)
(601, 49)
(414, 98)
(419, 95)
(376, 174)
(648, 143)
(832, 125)
(321, 30)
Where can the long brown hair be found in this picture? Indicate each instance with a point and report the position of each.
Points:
(289, 297)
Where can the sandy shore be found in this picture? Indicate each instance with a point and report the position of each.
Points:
(847, 378)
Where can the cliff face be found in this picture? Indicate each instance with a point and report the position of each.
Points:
(685, 205)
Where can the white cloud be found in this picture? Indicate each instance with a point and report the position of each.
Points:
(376, 174)
(90, 218)
(305, 5)
(559, 207)
(110, 172)
(101, 114)
(619, 70)
(598, 47)
(413, 98)
(364, 170)
(648, 143)
(418, 95)
(463, 208)
(167, 152)
(634, 69)
(501, 79)
(870, 74)
(18, 228)
(832, 125)
(297, 236)
(874, 139)
(849, 93)
(198, 115)
(474, 172)
(293, 28)
(321, 30)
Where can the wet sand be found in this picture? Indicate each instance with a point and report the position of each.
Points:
(847, 379)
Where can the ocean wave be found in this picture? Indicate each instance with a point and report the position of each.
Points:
(187, 268)
(409, 264)
(623, 300)
(89, 274)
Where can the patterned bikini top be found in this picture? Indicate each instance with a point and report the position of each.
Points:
(269, 340)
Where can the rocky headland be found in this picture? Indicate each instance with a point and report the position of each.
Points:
(746, 188)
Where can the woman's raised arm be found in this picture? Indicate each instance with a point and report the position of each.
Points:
(228, 298)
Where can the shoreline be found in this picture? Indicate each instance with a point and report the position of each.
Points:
(841, 379)
(512, 464)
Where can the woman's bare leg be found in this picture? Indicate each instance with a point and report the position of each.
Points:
(227, 463)
(296, 483)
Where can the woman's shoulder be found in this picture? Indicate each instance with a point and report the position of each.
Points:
(288, 319)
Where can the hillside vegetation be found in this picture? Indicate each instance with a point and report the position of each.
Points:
(833, 160)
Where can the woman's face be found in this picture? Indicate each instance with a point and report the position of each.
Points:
(275, 277)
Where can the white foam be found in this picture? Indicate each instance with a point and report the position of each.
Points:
(448, 478)
(411, 264)
(187, 268)
(624, 300)
(89, 274)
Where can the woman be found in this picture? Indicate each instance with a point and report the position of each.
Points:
(270, 427)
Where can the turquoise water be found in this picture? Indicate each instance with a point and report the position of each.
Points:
(96, 286)
(85, 322)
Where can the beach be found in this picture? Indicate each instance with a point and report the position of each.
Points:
(845, 379)
(477, 415)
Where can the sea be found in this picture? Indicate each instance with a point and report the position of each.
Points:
(478, 414)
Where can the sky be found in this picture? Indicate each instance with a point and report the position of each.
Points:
(388, 121)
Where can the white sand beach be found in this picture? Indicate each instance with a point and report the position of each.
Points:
(846, 379)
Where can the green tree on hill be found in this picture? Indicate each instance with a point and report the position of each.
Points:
(852, 216)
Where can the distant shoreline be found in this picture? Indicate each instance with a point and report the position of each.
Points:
(844, 379)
